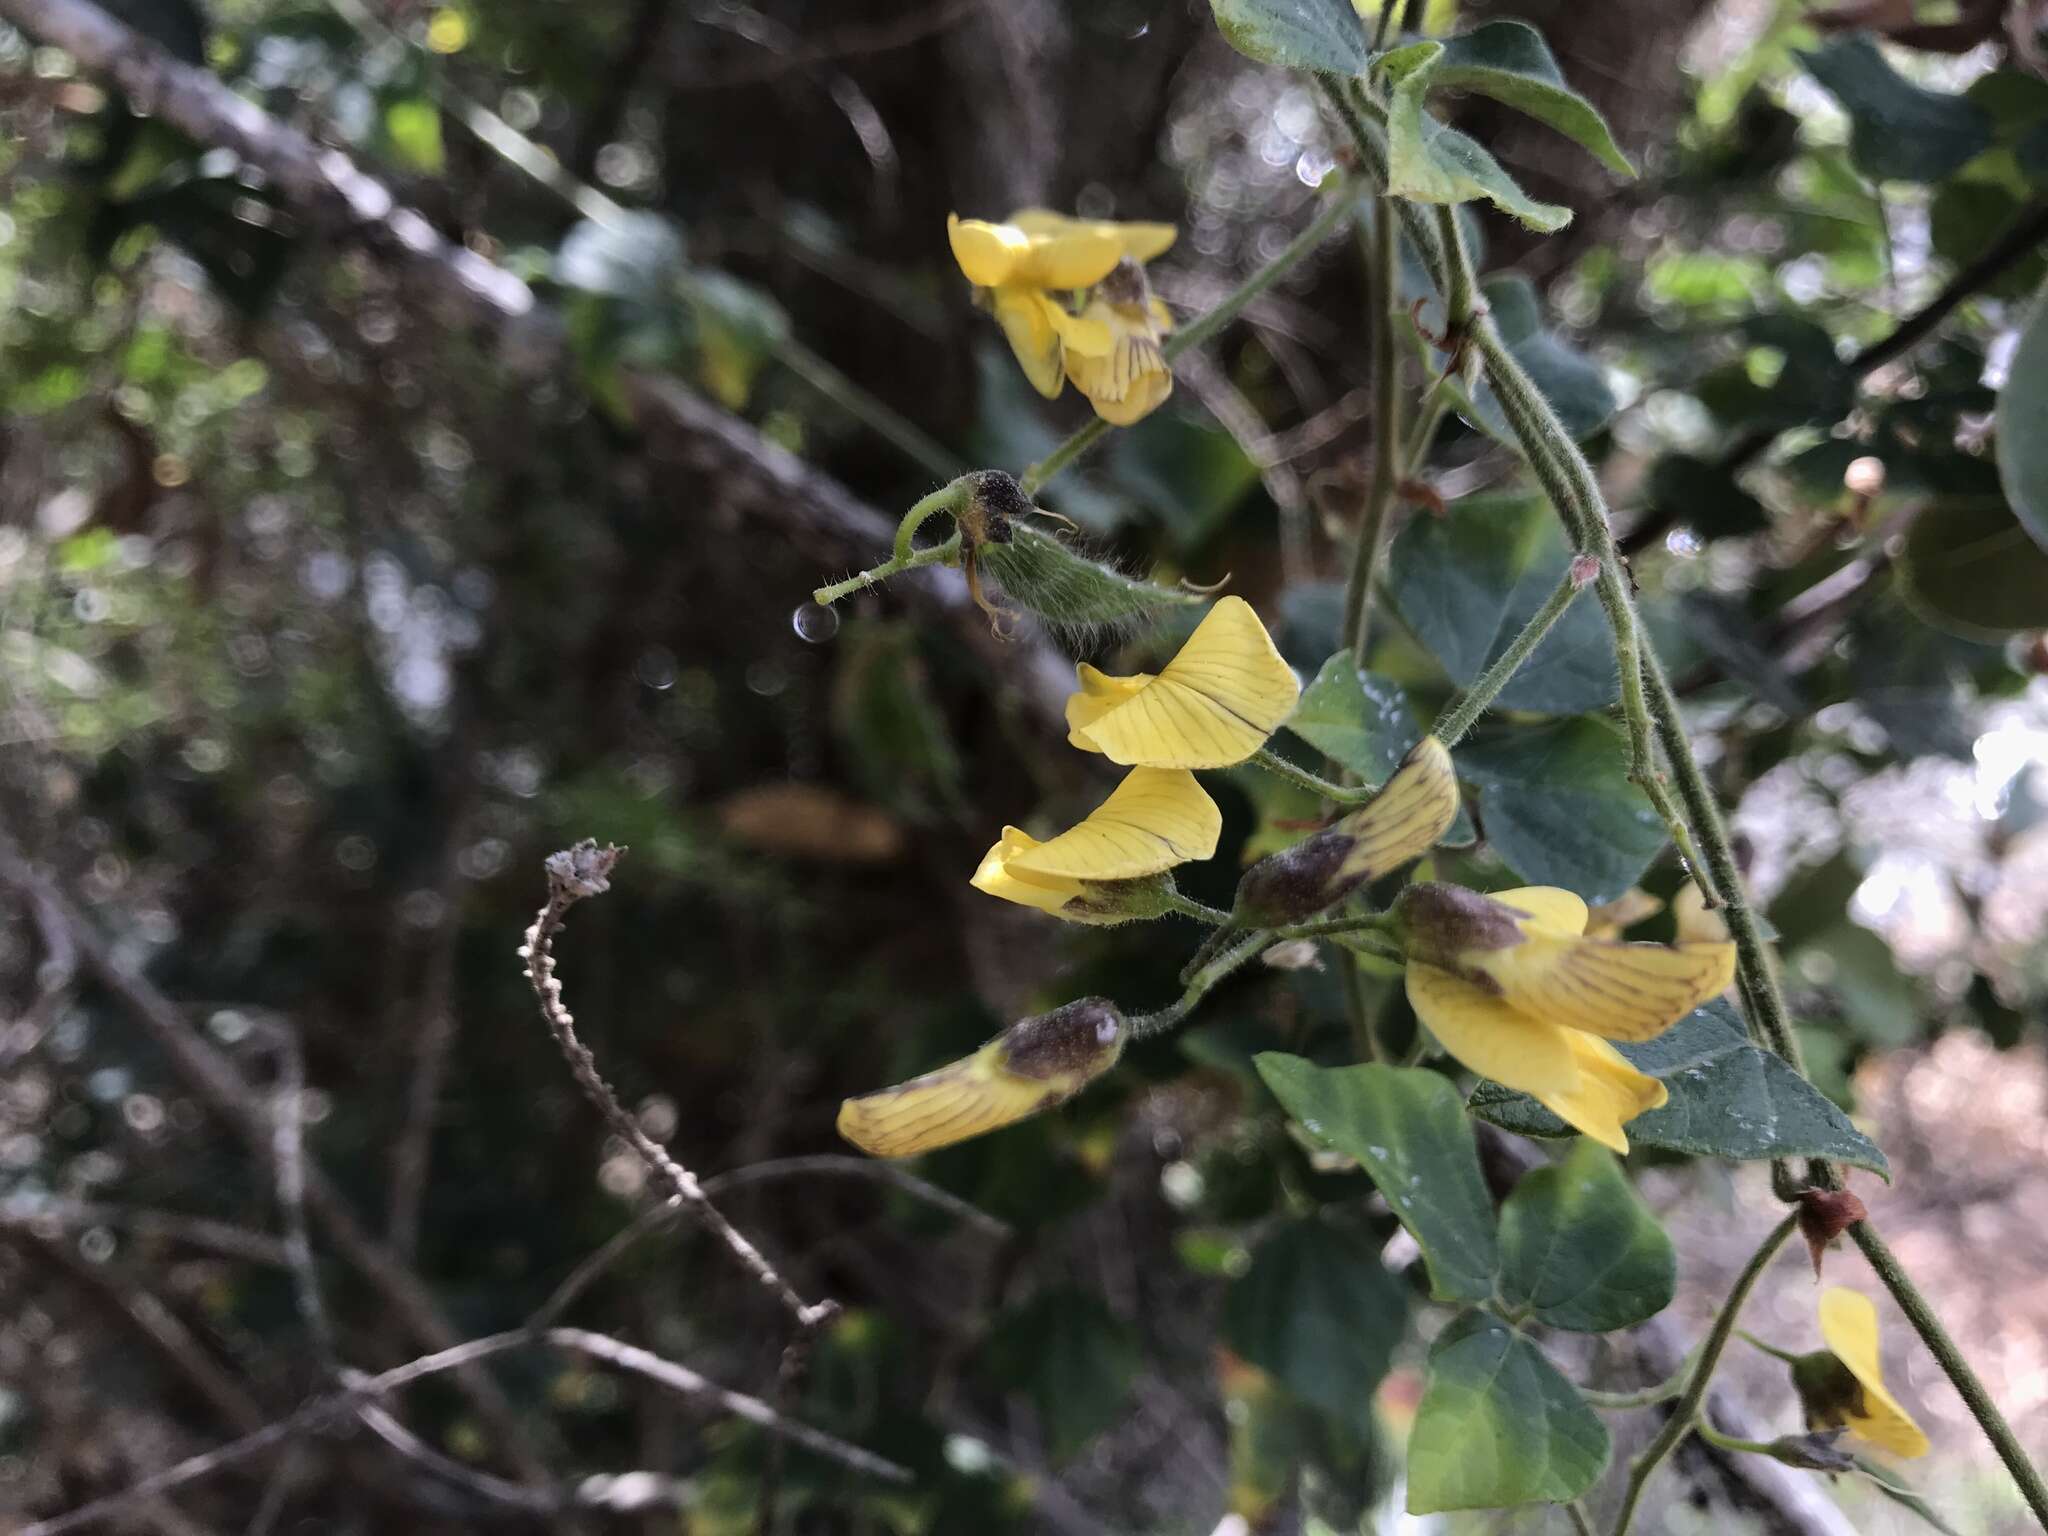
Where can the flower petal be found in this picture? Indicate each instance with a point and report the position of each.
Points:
(1413, 809)
(1548, 906)
(1214, 704)
(1848, 1322)
(961, 1099)
(1607, 988)
(1155, 819)
(1029, 323)
(989, 254)
(997, 877)
(1100, 693)
(1611, 1092)
(1140, 242)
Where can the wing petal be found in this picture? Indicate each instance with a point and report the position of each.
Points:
(1547, 905)
(1607, 988)
(1848, 1322)
(1402, 822)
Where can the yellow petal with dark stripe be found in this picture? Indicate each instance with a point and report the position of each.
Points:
(1413, 809)
(1848, 1322)
(1607, 988)
(966, 1098)
(1155, 819)
(1213, 705)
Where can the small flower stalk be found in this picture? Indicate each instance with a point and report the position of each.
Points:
(1033, 1065)
(1512, 987)
(1074, 304)
(1400, 824)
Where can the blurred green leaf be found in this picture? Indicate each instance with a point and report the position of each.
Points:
(1320, 35)
(1320, 1313)
(883, 709)
(1075, 1361)
(413, 127)
(1498, 1426)
(1728, 1098)
(1556, 804)
(2023, 425)
(1899, 131)
(1359, 720)
(1579, 1248)
(1405, 1127)
(1880, 1003)
(1194, 475)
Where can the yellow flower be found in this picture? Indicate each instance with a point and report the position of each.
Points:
(1127, 379)
(1105, 869)
(1689, 912)
(1511, 986)
(1414, 808)
(1034, 1064)
(1856, 1401)
(1214, 704)
(1020, 266)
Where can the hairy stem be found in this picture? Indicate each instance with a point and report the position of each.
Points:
(932, 554)
(1341, 204)
(1202, 982)
(1294, 773)
(1686, 1413)
(1386, 435)
(1455, 721)
(1944, 1350)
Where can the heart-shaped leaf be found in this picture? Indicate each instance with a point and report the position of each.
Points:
(1509, 61)
(1355, 718)
(1579, 1248)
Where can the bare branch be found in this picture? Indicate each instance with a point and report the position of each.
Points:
(573, 874)
(597, 1492)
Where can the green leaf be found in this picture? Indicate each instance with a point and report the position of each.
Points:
(1064, 1351)
(1193, 475)
(1880, 1003)
(1320, 1313)
(1465, 584)
(884, 711)
(1556, 803)
(1571, 381)
(1899, 131)
(1971, 568)
(1407, 1130)
(2023, 426)
(1729, 1098)
(1356, 718)
(1580, 1249)
(1321, 35)
(1433, 163)
(1498, 1426)
(1509, 61)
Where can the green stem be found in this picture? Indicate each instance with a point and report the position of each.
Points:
(1722, 1442)
(947, 498)
(1186, 906)
(1341, 206)
(933, 554)
(1386, 437)
(1293, 773)
(1772, 1350)
(1646, 1397)
(1686, 1414)
(1944, 1350)
(1330, 927)
(1372, 945)
(1363, 1038)
(1474, 702)
(1200, 984)
(1581, 1521)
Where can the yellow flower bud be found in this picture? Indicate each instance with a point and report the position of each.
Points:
(1031, 1066)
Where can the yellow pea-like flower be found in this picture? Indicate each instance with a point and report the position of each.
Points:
(1129, 378)
(1105, 869)
(1511, 986)
(1026, 270)
(1848, 1324)
(1031, 1066)
(1414, 808)
(1213, 705)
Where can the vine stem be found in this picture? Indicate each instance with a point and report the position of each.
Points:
(1342, 205)
(1687, 1412)
(1386, 436)
(932, 554)
(1944, 1350)
(1294, 773)
(1456, 720)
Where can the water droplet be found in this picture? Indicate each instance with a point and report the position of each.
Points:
(814, 622)
(1377, 1151)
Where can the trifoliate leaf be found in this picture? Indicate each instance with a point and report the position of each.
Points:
(1433, 163)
